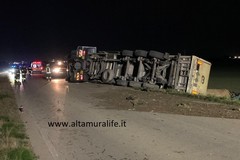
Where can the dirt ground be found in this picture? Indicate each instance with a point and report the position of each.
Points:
(124, 98)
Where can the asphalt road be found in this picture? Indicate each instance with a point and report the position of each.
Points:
(147, 135)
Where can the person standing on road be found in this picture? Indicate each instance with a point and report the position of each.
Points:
(48, 72)
(17, 74)
(24, 72)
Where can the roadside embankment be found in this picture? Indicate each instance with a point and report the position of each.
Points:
(14, 143)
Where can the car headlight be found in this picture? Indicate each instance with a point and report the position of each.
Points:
(59, 63)
(56, 70)
(12, 70)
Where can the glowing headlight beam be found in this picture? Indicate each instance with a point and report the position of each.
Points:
(59, 63)
(56, 70)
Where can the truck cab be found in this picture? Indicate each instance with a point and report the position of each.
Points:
(77, 63)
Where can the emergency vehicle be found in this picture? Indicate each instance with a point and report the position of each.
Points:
(37, 67)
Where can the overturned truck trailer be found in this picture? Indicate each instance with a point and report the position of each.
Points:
(140, 68)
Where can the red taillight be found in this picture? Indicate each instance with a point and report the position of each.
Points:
(81, 77)
(83, 53)
(37, 62)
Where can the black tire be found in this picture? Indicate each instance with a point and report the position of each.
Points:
(107, 76)
(135, 84)
(140, 53)
(127, 53)
(122, 82)
(155, 54)
(77, 65)
(166, 55)
(150, 86)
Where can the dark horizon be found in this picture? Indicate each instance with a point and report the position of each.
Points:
(39, 29)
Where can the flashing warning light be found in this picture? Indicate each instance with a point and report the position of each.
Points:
(199, 62)
(194, 92)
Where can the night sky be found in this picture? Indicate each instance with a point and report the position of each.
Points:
(46, 29)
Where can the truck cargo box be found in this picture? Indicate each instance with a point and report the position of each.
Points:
(198, 76)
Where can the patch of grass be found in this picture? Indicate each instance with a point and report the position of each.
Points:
(4, 118)
(206, 98)
(20, 153)
(15, 130)
(13, 141)
(209, 98)
(4, 95)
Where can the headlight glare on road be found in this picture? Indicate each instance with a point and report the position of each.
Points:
(12, 70)
(56, 70)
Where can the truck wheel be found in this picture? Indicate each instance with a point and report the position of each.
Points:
(135, 84)
(127, 53)
(107, 76)
(166, 55)
(155, 54)
(141, 53)
(150, 86)
(122, 82)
